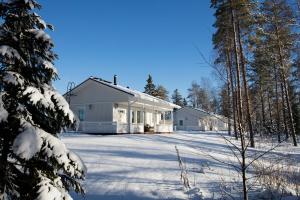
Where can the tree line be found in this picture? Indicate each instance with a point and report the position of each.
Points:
(199, 95)
(257, 54)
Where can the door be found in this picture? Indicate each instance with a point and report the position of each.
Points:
(122, 116)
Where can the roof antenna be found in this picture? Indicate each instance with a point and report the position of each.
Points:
(70, 87)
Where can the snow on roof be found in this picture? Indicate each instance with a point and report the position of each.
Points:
(135, 93)
(220, 117)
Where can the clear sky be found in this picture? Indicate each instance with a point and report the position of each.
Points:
(131, 38)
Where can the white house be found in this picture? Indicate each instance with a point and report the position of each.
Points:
(195, 119)
(106, 107)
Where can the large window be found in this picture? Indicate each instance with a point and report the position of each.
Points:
(139, 116)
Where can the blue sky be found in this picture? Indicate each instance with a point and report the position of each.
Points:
(131, 38)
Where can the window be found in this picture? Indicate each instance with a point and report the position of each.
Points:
(81, 114)
(133, 117)
(162, 116)
(168, 115)
(139, 117)
(180, 122)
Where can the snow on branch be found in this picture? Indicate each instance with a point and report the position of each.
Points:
(10, 53)
(51, 190)
(55, 148)
(49, 66)
(41, 35)
(33, 140)
(27, 143)
(40, 22)
(50, 99)
(13, 78)
(3, 111)
(63, 105)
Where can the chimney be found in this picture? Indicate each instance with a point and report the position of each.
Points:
(115, 79)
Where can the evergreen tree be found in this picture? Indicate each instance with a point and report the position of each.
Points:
(162, 93)
(224, 106)
(34, 163)
(185, 103)
(280, 37)
(193, 92)
(177, 98)
(150, 87)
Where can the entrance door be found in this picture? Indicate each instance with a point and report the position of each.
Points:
(122, 116)
(149, 119)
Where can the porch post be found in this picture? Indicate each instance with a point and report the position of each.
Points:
(144, 114)
(154, 119)
(128, 117)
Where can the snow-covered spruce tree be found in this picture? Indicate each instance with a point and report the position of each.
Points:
(34, 163)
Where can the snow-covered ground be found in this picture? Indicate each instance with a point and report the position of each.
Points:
(141, 166)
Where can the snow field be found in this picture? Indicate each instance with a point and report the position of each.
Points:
(140, 166)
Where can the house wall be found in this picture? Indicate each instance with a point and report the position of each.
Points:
(98, 107)
(96, 101)
(194, 120)
(190, 120)
(94, 112)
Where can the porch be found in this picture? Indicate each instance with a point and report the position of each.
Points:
(115, 127)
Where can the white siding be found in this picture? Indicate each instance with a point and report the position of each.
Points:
(195, 120)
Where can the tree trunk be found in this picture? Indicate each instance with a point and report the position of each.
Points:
(239, 98)
(263, 113)
(288, 102)
(283, 113)
(245, 84)
(270, 113)
(229, 85)
(290, 113)
(277, 105)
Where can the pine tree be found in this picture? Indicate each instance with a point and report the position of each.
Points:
(177, 98)
(224, 106)
(280, 36)
(150, 87)
(193, 92)
(34, 163)
(162, 93)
